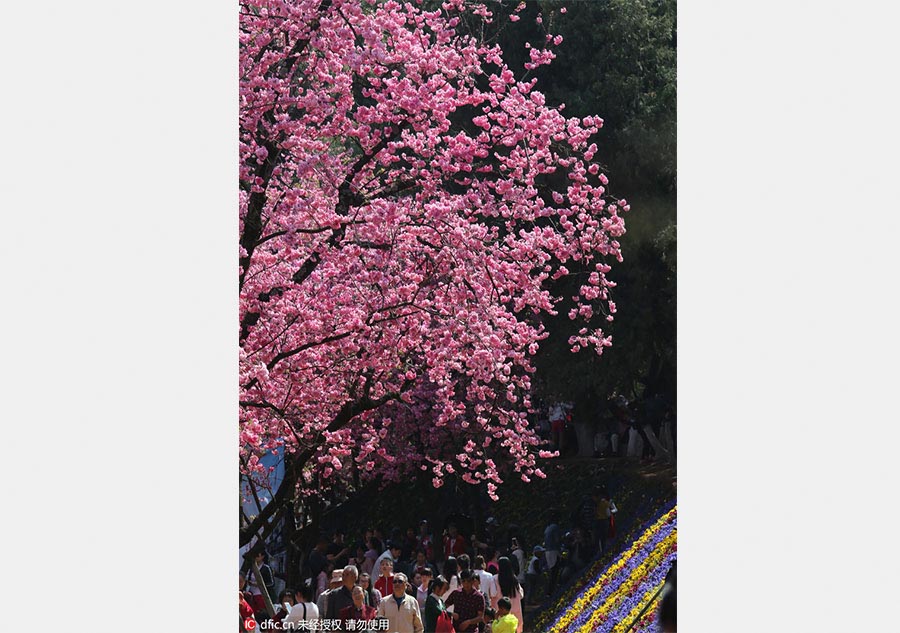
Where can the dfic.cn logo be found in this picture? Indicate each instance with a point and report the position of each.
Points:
(250, 624)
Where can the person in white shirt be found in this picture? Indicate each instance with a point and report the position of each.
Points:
(487, 585)
(556, 412)
(451, 573)
(400, 609)
(557, 415)
(304, 609)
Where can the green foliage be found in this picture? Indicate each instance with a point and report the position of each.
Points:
(623, 67)
(643, 354)
(618, 60)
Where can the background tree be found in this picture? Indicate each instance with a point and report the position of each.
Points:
(617, 57)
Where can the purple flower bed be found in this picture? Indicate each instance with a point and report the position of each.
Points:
(647, 625)
(621, 612)
(631, 528)
(619, 578)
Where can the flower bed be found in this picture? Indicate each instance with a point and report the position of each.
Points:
(647, 623)
(640, 504)
(620, 611)
(614, 597)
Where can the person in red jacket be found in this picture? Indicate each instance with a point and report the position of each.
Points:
(385, 581)
(245, 609)
(454, 543)
(359, 610)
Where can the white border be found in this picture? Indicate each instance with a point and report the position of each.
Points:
(787, 317)
(119, 315)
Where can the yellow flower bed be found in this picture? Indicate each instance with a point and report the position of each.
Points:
(628, 587)
(579, 605)
(650, 595)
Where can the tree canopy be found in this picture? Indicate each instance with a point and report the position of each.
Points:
(411, 211)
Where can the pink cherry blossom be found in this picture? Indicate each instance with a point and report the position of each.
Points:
(395, 266)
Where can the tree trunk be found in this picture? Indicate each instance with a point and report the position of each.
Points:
(601, 441)
(635, 444)
(262, 588)
(665, 436)
(584, 432)
(660, 450)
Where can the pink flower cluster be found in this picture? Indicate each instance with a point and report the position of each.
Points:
(405, 204)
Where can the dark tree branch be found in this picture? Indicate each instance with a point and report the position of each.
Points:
(328, 339)
(263, 524)
(253, 220)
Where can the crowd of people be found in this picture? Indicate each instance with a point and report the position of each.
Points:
(413, 582)
(617, 427)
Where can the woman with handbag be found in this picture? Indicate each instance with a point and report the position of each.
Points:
(435, 618)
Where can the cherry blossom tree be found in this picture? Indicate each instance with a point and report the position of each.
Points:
(407, 203)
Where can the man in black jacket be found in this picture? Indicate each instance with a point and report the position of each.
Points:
(343, 597)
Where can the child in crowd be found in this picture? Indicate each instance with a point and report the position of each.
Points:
(505, 622)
